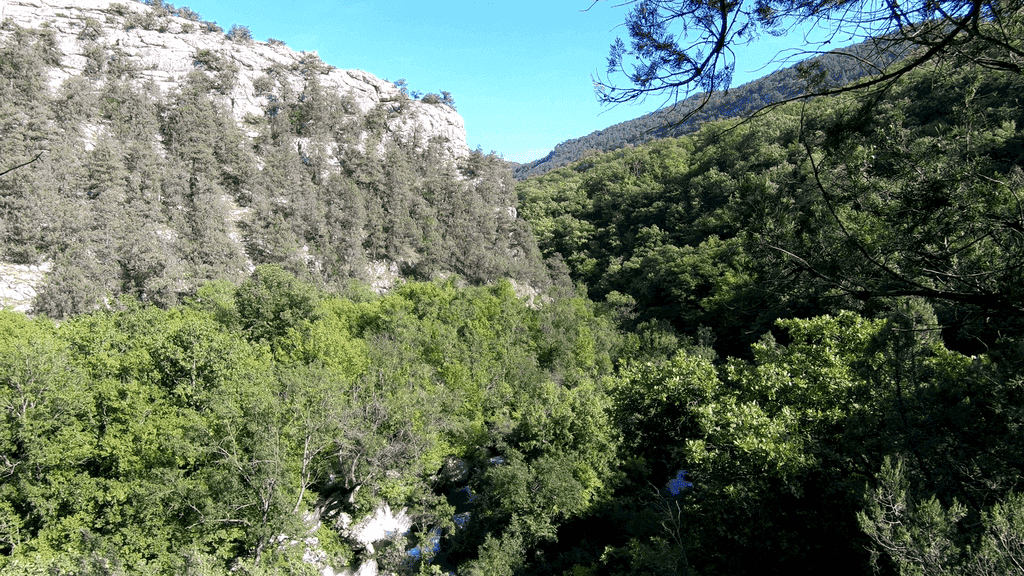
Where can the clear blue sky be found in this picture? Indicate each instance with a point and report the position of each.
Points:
(519, 70)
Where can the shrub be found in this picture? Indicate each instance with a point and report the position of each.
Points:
(206, 59)
(95, 60)
(447, 99)
(135, 20)
(92, 30)
(120, 65)
(189, 14)
(148, 21)
(310, 64)
(239, 33)
(442, 98)
(403, 88)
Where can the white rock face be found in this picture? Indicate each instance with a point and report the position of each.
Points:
(18, 285)
(381, 526)
(384, 275)
(167, 56)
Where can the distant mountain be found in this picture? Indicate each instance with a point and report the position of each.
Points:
(833, 69)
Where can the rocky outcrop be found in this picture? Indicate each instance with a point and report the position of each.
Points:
(165, 47)
(383, 525)
(18, 285)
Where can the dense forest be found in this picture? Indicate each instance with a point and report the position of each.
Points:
(776, 345)
(853, 267)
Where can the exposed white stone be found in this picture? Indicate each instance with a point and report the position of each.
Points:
(381, 526)
(384, 274)
(18, 283)
(167, 56)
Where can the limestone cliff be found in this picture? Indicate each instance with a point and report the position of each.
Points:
(184, 194)
(165, 47)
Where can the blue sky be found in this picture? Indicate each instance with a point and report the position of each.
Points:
(520, 71)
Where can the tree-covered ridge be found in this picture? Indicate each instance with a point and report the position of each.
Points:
(830, 70)
(815, 207)
(151, 194)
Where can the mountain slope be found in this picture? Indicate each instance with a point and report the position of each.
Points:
(172, 154)
(166, 46)
(838, 68)
(913, 194)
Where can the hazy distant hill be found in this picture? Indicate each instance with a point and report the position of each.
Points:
(840, 67)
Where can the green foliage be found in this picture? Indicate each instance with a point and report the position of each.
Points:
(155, 20)
(778, 371)
(221, 74)
(918, 535)
(272, 303)
(1002, 547)
(737, 225)
(189, 14)
(686, 116)
(74, 287)
(963, 217)
(118, 9)
(27, 128)
(922, 535)
(45, 434)
(339, 553)
(644, 223)
(659, 61)
(762, 432)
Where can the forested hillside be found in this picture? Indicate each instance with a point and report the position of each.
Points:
(830, 70)
(815, 207)
(789, 344)
(151, 192)
(848, 271)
